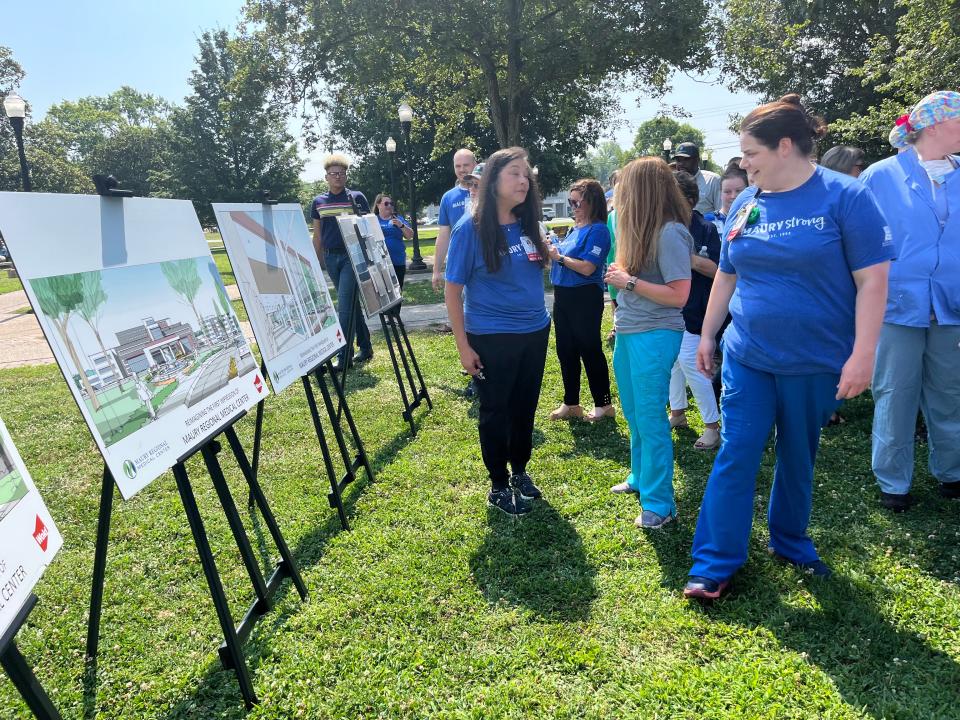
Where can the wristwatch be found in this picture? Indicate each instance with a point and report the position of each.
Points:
(631, 284)
(562, 260)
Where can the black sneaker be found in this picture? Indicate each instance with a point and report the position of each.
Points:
(817, 568)
(950, 490)
(522, 483)
(508, 501)
(895, 502)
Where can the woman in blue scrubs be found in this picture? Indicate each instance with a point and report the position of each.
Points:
(918, 356)
(803, 272)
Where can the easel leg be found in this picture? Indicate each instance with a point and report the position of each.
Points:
(17, 668)
(334, 497)
(341, 398)
(257, 492)
(209, 452)
(213, 582)
(407, 413)
(257, 435)
(423, 392)
(99, 565)
(402, 352)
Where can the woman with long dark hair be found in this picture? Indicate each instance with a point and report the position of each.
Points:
(803, 271)
(652, 274)
(494, 297)
(577, 275)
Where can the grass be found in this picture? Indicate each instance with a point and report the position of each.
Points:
(9, 284)
(434, 606)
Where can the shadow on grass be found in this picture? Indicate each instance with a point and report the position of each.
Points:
(220, 684)
(536, 562)
(886, 671)
(604, 440)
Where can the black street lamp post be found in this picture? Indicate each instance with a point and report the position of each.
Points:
(391, 151)
(406, 120)
(16, 110)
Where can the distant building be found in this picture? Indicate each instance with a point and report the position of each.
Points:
(154, 342)
(219, 330)
(6, 465)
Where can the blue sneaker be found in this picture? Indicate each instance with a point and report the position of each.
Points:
(701, 588)
(817, 568)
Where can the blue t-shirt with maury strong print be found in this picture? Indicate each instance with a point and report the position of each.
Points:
(507, 301)
(793, 307)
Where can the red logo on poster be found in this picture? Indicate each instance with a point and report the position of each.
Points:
(258, 384)
(41, 534)
(339, 336)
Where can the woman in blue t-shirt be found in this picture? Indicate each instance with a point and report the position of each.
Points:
(803, 272)
(577, 276)
(395, 231)
(494, 296)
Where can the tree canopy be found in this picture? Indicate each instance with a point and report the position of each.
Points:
(484, 74)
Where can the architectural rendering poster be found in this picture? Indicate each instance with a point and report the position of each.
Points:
(137, 316)
(379, 287)
(282, 287)
(28, 537)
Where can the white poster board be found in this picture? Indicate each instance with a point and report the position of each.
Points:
(138, 319)
(376, 278)
(282, 286)
(28, 536)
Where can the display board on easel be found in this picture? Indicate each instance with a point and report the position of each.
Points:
(29, 539)
(135, 311)
(282, 286)
(376, 278)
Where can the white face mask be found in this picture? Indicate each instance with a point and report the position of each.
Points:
(938, 169)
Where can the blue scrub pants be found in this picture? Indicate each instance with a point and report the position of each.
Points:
(916, 367)
(753, 401)
(642, 363)
(341, 272)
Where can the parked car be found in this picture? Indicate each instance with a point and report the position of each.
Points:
(549, 214)
(428, 220)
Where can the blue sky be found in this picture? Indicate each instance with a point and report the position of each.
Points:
(73, 49)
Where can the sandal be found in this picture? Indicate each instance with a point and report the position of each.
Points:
(599, 413)
(678, 421)
(566, 412)
(710, 440)
(836, 419)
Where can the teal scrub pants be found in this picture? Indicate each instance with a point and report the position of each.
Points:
(753, 401)
(642, 363)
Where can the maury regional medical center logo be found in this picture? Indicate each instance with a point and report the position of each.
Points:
(129, 469)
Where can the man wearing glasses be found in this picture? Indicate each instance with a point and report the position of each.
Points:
(328, 243)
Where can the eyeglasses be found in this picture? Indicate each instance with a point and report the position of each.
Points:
(574, 204)
(336, 173)
(388, 203)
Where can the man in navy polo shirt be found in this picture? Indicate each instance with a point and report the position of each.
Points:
(452, 206)
(332, 253)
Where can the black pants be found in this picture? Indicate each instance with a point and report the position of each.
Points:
(509, 393)
(401, 271)
(577, 313)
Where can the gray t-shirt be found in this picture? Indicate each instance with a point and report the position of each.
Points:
(636, 313)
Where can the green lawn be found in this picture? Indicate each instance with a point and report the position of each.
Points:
(9, 284)
(435, 606)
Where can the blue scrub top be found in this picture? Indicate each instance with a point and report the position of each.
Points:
(393, 237)
(925, 277)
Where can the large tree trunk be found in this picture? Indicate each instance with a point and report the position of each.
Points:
(63, 327)
(496, 103)
(514, 66)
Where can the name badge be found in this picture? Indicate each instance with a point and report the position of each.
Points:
(748, 214)
(530, 249)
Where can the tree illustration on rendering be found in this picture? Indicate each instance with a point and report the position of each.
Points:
(60, 296)
(92, 303)
(183, 277)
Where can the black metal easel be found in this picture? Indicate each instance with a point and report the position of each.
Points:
(17, 668)
(230, 651)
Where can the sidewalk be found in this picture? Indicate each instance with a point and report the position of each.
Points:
(22, 342)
